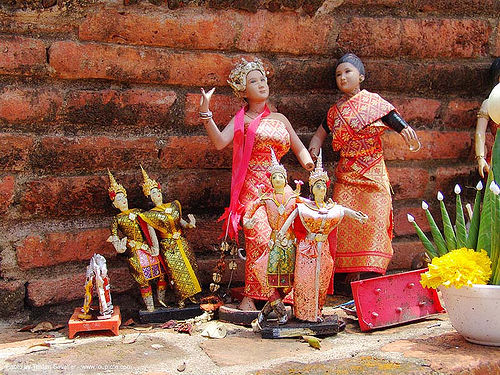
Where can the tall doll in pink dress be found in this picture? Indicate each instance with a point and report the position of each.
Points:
(276, 267)
(252, 130)
(314, 221)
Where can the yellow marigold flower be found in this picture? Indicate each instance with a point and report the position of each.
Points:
(458, 268)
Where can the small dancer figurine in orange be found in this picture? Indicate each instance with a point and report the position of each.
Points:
(315, 220)
(276, 267)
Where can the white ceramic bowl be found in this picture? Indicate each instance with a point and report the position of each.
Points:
(474, 312)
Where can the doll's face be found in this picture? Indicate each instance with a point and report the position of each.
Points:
(156, 196)
(278, 180)
(121, 202)
(257, 88)
(319, 191)
(348, 78)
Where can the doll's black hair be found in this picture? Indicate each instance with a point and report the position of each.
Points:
(495, 71)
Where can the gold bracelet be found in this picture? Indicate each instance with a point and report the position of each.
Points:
(479, 157)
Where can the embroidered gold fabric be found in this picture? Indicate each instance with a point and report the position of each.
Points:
(179, 259)
(142, 265)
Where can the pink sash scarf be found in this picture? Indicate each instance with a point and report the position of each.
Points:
(242, 151)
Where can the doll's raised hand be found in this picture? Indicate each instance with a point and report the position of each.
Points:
(483, 166)
(410, 137)
(205, 99)
(192, 221)
(248, 223)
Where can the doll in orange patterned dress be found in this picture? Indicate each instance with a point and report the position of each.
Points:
(357, 122)
(252, 131)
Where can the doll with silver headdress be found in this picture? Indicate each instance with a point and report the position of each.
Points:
(143, 261)
(276, 266)
(357, 121)
(315, 220)
(179, 259)
(252, 131)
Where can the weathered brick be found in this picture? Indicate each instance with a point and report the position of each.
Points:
(425, 77)
(64, 288)
(72, 60)
(401, 225)
(430, 38)
(421, 110)
(202, 153)
(66, 196)
(189, 28)
(410, 182)
(305, 112)
(30, 22)
(469, 8)
(435, 145)
(84, 154)
(59, 247)
(295, 74)
(461, 114)
(287, 33)
(22, 56)
(205, 238)
(465, 175)
(111, 107)
(224, 107)
(14, 151)
(496, 49)
(404, 253)
(371, 36)
(199, 190)
(29, 104)
(11, 297)
(6, 192)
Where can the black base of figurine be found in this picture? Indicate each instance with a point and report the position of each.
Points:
(165, 314)
(231, 314)
(296, 328)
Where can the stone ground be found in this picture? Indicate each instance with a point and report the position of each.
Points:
(430, 346)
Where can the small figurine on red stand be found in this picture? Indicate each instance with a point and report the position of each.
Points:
(97, 281)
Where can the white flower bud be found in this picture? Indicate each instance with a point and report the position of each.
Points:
(457, 189)
(411, 219)
(440, 196)
(479, 185)
(494, 188)
(425, 206)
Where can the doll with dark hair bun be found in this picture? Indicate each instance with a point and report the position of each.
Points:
(357, 121)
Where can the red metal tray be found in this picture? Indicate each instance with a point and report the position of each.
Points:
(393, 299)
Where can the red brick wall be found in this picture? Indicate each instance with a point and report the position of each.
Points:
(85, 87)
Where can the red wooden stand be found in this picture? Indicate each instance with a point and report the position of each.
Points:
(77, 325)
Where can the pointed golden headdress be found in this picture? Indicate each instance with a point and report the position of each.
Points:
(148, 183)
(318, 174)
(114, 187)
(275, 166)
(238, 76)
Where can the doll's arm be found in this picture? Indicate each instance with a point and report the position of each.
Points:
(155, 248)
(287, 223)
(356, 215)
(317, 141)
(298, 147)
(480, 139)
(191, 224)
(248, 219)
(397, 123)
(119, 245)
(220, 139)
